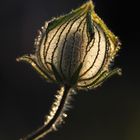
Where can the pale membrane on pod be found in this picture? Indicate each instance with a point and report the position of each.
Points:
(45, 43)
(62, 55)
(78, 49)
(90, 55)
(71, 46)
(94, 58)
(51, 45)
(100, 55)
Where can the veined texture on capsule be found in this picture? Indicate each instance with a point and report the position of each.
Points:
(74, 49)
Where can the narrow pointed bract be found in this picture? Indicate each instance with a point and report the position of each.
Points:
(75, 51)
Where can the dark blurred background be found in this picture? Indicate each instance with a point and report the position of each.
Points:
(111, 112)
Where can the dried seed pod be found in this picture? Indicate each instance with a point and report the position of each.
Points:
(75, 51)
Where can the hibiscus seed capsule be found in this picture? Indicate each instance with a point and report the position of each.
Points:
(74, 51)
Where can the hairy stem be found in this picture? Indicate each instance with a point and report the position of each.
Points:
(54, 118)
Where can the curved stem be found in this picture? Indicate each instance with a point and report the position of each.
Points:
(55, 116)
